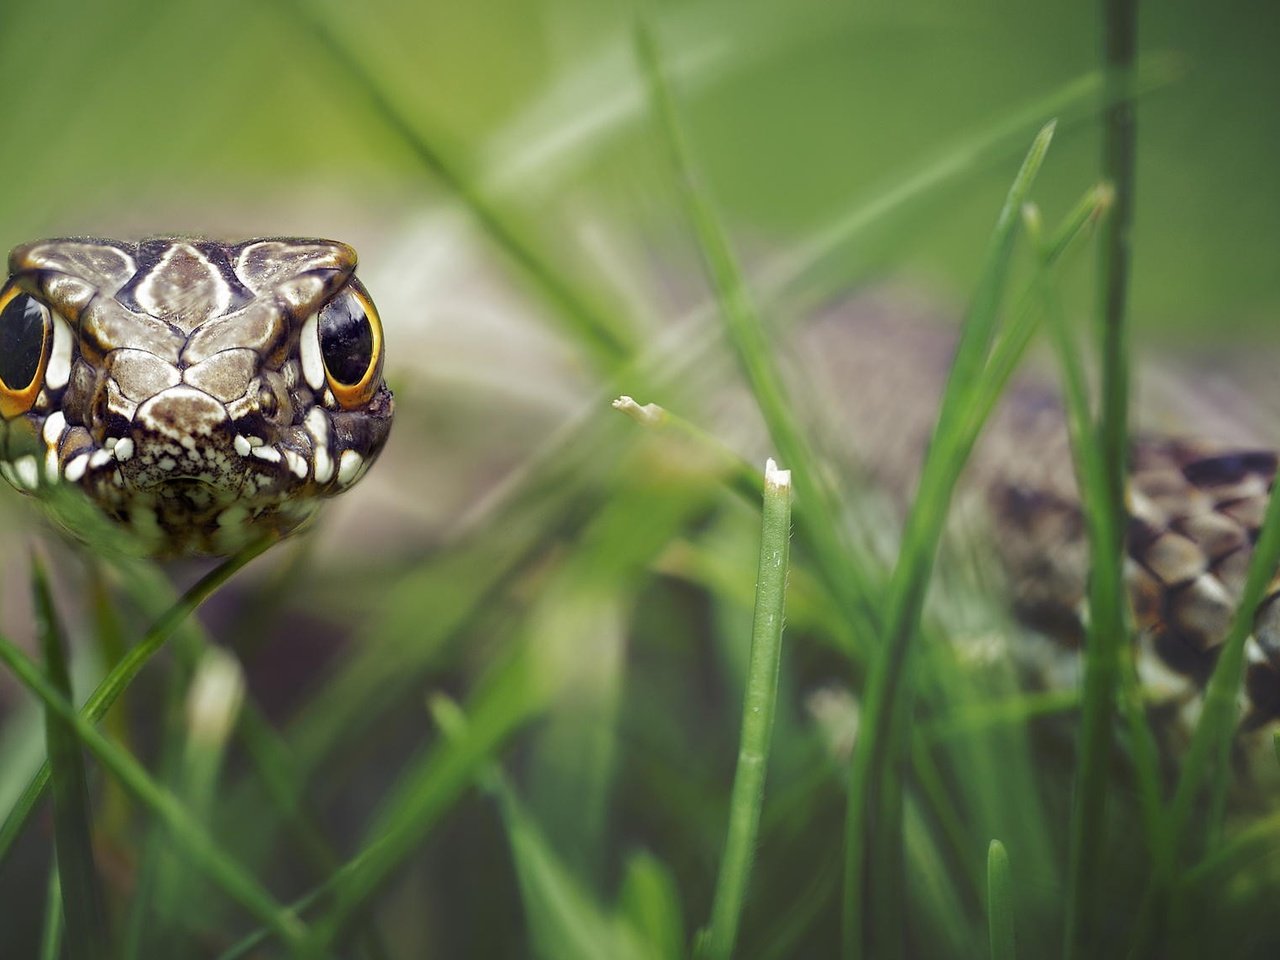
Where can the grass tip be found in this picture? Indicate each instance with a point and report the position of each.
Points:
(649, 414)
(447, 714)
(1104, 197)
(1033, 220)
(217, 691)
(775, 478)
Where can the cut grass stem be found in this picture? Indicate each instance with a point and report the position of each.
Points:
(746, 333)
(759, 704)
(1000, 924)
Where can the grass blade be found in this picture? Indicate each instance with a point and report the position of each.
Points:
(114, 684)
(1088, 839)
(887, 700)
(758, 706)
(51, 933)
(746, 333)
(83, 904)
(609, 342)
(1000, 902)
(202, 850)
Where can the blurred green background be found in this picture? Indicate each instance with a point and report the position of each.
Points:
(160, 116)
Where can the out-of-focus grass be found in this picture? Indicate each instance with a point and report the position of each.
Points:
(577, 648)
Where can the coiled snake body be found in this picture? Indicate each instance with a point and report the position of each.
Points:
(200, 393)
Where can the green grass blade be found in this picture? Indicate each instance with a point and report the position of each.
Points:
(650, 902)
(1000, 902)
(114, 684)
(887, 700)
(745, 330)
(608, 341)
(84, 905)
(758, 707)
(201, 849)
(1088, 841)
(51, 932)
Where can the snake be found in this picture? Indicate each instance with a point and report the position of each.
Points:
(201, 394)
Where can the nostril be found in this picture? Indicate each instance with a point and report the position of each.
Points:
(268, 405)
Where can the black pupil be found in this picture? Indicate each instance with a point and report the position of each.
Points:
(21, 341)
(346, 339)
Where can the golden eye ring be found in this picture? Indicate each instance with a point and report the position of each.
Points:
(350, 334)
(26, 340)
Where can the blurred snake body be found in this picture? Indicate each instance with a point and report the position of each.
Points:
(1196, 496)
(201, 394)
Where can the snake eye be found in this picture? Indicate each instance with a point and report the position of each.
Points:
(26, 338)
(351, 346)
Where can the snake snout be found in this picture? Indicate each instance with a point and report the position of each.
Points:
(182, 433)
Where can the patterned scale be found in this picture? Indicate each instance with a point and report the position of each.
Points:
(1196, 505)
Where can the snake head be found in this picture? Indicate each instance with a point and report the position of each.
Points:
(202, 394)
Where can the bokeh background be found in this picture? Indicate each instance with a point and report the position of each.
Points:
(232, 120)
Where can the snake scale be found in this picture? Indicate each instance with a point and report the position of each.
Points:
(1196, 498)
(204, 393)
(200, 393)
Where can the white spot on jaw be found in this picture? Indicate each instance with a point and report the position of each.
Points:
(348, 467)
(318, 426)
(124, 449)
(270, 454)
(51, 433)
(309, 347)
(100, 458)
(297, 463)
(76, 468)
(54, 424)
(242, 445)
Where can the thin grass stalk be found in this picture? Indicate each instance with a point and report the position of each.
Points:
(758, 706)
(1108, 597)
(745, 331)
(1088, 825)
(84, 906)
(115, 682)
(1000, 924)
(51, 930)
(202, 850)
(888, 696)
(109, 634)
(611, 344)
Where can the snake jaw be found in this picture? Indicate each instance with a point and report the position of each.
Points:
(177, 400)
